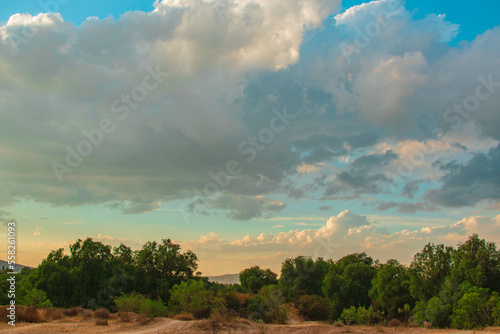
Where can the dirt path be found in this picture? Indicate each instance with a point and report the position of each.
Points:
(165, 325)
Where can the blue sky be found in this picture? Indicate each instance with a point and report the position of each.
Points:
(115, 129)
(473, 18)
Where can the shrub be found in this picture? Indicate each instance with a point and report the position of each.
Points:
(87, 314)
(3, 314)
(74, 311)
(137, 303)
(28, 314)
(142, 319)
(267, 306)
(129, 303)
(37, 298)
(153, 308)
(125, 316)
(101, 322)
(314, 307)
(368, 316)
(348, 316)
(51, 314)
(434, 312)
(394, 323)
(468, 313)
(102, 313)
(191, 297)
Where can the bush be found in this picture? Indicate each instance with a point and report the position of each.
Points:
(72, 312)
(51, 314)
(125, 316)
(368, 316)
(137, 303)
(469, 312)
(191, 297)
(142, 319)
(3, 314)
(267, 306)
(434, 312)
(37, 298)
(394, 323)
(348, 316)
(314, 307)
(102, 313)
(129, 303)
(28, 314)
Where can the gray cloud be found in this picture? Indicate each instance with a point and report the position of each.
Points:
(221, 91)
(469, 183)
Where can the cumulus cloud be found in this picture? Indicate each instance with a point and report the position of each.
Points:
(346, 233)
(218, 76)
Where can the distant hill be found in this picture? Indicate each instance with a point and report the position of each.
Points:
(5, 266)
(225, 279)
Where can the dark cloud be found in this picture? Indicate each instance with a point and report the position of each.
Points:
(410, 188)
(326, 207)
(245, 207)
(406, 207)
(469, 183)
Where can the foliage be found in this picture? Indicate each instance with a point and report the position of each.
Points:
(302, 275)
(428, 271)
(137, 303)
(314, 307)
(391, 288)
(191, 297)
(37, 298)
(267, 305)
(348, 282)
(477, 262)
(254, 278)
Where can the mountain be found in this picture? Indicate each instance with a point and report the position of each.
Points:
(225, 279)
(5, 266)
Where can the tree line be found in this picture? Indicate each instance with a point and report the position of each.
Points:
(442, 287)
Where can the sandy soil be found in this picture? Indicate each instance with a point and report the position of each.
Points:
(165, 325)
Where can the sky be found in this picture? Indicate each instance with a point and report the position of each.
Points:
(250, 131)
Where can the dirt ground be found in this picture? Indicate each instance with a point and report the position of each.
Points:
(166, 325)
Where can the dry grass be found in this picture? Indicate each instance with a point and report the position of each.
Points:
(142, 319)
(28, 314)
(338, 324)
(52, 314)
(394, 323)
(102, 313)
(184, 317)
(126, 316)
(73, 312)
(101, 322)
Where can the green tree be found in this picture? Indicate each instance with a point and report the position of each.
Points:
(161, 266)
(303, 275)
(428, 271)
(254, 278)
(391, 288)
(348, 282)
(478, 263)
